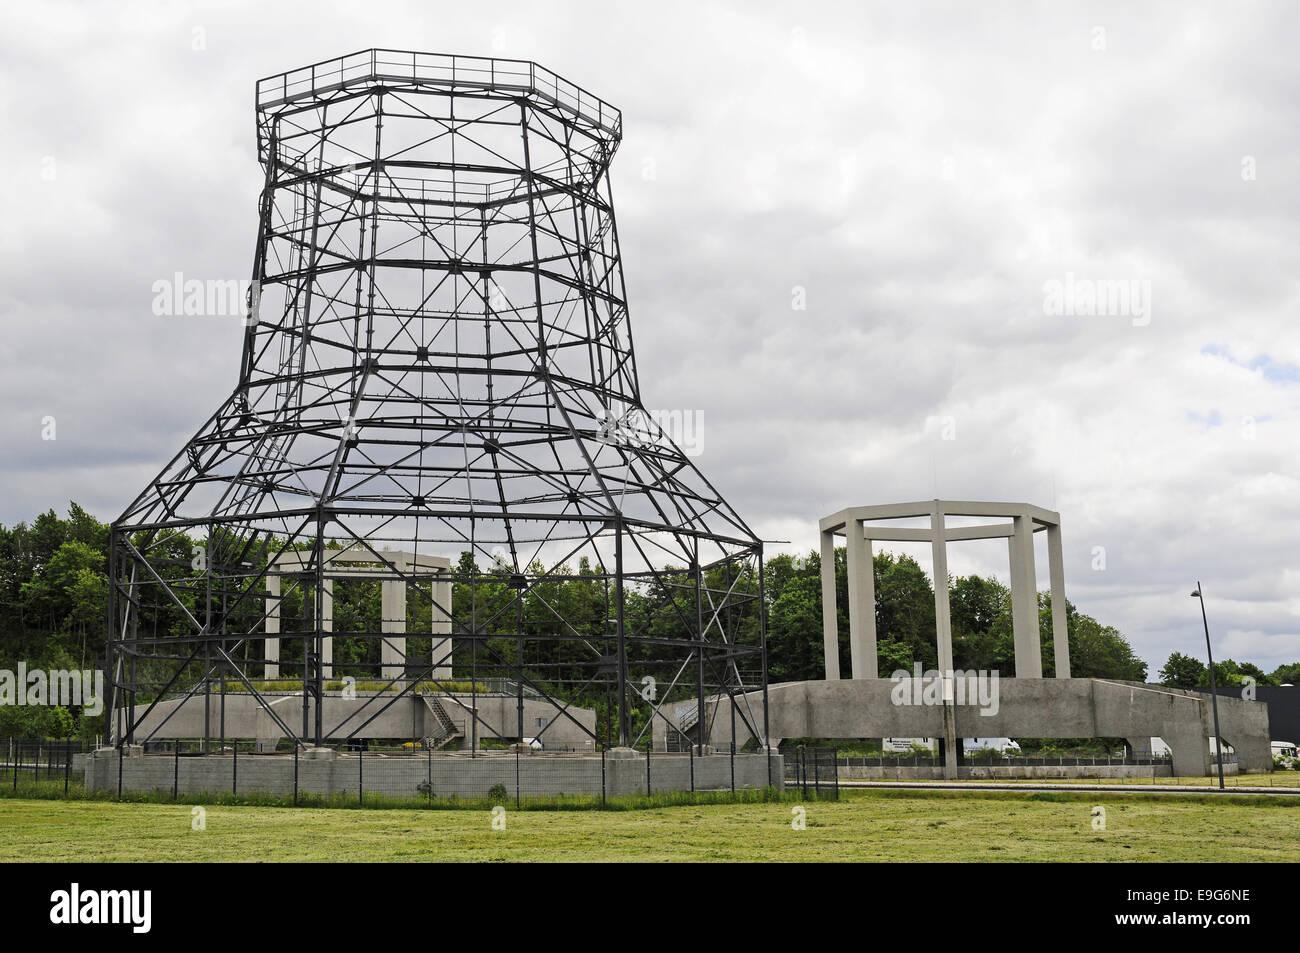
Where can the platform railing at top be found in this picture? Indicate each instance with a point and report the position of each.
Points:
(440, 69)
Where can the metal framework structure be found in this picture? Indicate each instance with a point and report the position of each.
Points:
(438, 361)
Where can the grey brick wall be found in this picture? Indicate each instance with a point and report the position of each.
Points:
(449, 776)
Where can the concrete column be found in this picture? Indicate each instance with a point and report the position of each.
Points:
(392, 650)
(442, 644)
(327, 624)
(1024, 600)
(830, 611)
(1060, 631)
(271, 668)
(862, 603)
(942, 611)
(1140, 747)
(1190, 750)
(951, 743)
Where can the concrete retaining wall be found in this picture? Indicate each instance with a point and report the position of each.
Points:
(450, 776)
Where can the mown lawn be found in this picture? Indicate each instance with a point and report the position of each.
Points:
(864, 826)
(1275, 779)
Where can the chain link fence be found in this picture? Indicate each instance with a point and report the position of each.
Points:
(815, 771)
(41, 765)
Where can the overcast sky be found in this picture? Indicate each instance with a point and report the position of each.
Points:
(918, 175)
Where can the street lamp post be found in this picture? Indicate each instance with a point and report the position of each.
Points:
(1214, 694)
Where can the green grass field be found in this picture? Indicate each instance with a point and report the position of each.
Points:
(1275, 779)
(864, 826)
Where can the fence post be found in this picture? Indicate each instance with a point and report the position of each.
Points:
(647, 766)
(295, 774)
(67, 768)
(119, 772)
(602, 776)
(429, 758)
(176, 769)
(361, 777)
(733, 744)
(691, 749)
(518, 800)
(16, 752)
(234, 771)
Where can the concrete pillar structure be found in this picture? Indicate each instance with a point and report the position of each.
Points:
(392, 650)
(1139, 747)
(951, 741)
(830, 611)
(1021, 521)
(271, 668)
(327, 625)
(1060, 631)
(862, 605)
(395, 572)
(442, 644)
(942, 611)
(1024, 600)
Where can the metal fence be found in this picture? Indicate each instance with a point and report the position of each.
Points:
(30, 762)
(814, 770)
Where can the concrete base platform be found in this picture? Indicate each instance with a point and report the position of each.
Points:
(367, 716)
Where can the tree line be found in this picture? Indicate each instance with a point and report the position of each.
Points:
(54, 594)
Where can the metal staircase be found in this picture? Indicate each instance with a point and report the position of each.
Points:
(444, 728)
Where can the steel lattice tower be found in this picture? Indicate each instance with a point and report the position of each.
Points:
(438, 360)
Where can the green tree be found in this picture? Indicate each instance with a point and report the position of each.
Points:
(905, 606)
(795, 632)
(1286, 674)
(1255, 672)
(1100, 651)
(1182, 671)
(981, 623)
